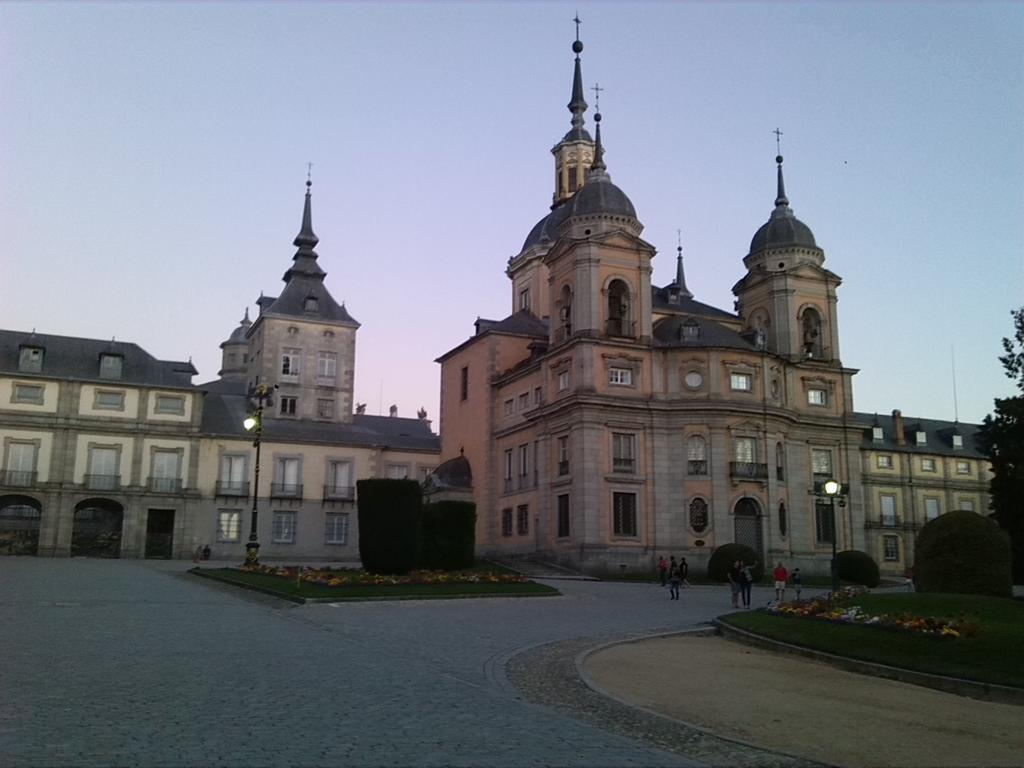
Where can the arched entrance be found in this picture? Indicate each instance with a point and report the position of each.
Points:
(97, 529)
(19, 525)
(747, 526)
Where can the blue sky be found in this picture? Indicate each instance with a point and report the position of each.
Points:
(152, 167)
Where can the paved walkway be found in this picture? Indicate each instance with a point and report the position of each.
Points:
(136, 663)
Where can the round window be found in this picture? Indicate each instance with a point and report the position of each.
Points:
(698, 515)
(693, 380)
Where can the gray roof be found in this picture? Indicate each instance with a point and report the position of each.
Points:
(659, 300)
(238, 335)
(522, 323)
(454, 473)
(668, 332)
(598, 195)
(782, 230)
(292, 302)
(223, 414)
(71, 357)
(938, 434)
(542, 230)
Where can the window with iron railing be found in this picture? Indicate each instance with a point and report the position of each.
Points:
(623, 452)
(748, 470)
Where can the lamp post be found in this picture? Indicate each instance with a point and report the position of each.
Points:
(833, 488)
(254, 423)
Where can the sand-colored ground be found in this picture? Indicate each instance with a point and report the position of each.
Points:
(807, 708)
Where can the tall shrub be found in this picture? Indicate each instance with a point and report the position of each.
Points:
(858, 567)
(389, 517)
(963, 552)
(447, 535)
(722, 559)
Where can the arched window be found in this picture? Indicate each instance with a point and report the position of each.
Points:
(698, 515)
(696, 455)
(810, 324)
(565, 311)
(618, 323)
(782, 518)
(780, 462)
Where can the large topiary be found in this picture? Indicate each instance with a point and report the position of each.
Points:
(858, 567)
(389, 521)
(962, 552)
(722, 559)
(447, 535)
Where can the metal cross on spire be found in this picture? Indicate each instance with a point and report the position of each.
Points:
(597, 96)
(309, 173)
(778, 143)
(578, 21)
(679, 240)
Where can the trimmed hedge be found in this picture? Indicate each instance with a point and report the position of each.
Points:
(389, 517)
(858, 567)
(722, 559)
(447, 535)
(963, 552)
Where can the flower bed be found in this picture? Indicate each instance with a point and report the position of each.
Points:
(330, 577)
(840, 608)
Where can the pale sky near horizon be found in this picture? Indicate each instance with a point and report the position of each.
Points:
(153, 160)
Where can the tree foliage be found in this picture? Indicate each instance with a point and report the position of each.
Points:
(962, 552)
(1002, 436)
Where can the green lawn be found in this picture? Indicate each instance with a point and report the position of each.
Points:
(992, 655)
(287, 588)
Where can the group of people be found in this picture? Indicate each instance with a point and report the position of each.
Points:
(741, 579)
(674, 574)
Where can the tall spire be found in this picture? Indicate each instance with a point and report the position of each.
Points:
(598, 166)
(680, 277)
(576, 104)
(781, 201)
(305, 257)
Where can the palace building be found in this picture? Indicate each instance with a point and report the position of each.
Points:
(607, 420)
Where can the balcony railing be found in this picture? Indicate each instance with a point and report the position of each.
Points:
(887, 521)
(102, 482)
(748, 470)
(339, 492)
(617, 326)
(522, 481)
(232, 487)
(286, 490)
(623, 465)
(165, 484)
(17, 478)
(563, 468)
(697, 467)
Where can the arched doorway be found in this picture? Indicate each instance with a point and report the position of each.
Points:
(747, 525)
(97, 529)
(19, 525)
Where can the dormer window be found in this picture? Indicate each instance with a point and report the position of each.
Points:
(958, 441)
(311, 304)
(922, 438)
(877, 434)
(690, 329)
(30, 359)
(110, 366)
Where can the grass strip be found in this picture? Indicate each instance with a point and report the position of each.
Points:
(992, 655)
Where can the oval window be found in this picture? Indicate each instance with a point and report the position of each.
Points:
(698, 515)
(693, 380)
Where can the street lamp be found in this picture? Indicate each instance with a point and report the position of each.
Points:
(254, 423)
(833, 488)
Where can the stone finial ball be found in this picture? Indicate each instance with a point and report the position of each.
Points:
(577, 47)
(778, 159)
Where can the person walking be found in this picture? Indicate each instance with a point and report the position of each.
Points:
(798, 582)
(780, 575)
(684, 571)
(735, 573)
(746, 582)
(673, 580)
(663, 570)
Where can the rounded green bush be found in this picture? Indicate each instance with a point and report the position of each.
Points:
(965, 553)
(858, 567)
(724, 556)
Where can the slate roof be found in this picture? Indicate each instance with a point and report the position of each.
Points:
(659, 300)
(939, 436)
(292, 302)
(668, 332)
(224, 412)
(454, 473)
(71, 357)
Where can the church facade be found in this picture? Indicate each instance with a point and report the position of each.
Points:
(608, 421)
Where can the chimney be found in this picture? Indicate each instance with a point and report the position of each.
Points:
(897, 427)
(393, 411)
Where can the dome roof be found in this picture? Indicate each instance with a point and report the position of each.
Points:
(542, 230)
(782, 230)
(238, 335)
(599, 196)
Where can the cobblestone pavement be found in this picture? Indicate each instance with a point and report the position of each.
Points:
(110, 663)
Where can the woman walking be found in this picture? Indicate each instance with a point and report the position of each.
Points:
(735, 573)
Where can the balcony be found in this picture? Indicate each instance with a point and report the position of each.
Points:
(102, 482)
(748, 470)
(697, 467)
(563, 468)
(888, 521)
(623, 465)
(620, 327)
(339, 493)
(164, 484)
(17, 478)
(286, 490)
(232, 488)
(508, 486)
(523, 482)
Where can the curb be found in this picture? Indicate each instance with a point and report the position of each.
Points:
(1002, 694)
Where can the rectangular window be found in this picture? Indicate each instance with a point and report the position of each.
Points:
(170, 404)
(338, 481)
(922, 437)
(524, 465)
(508, 468)
(573, 182)
(110, 366)
(287, 477)
(927, 465)
(510, 407)
(821, 462)
(30, 359)
(103, 473)
(336, 529)
(326, 367)
(741, 382)
(324, 408)
(817, 397)
(967, 505)
(877, 434)
(288, 405)
(524, 299)
(563, 381)
(888, 504)
(624, 514)
(623, 452)
(563, 516)
(621, 376)
(20, 465)
(229, 523)
(931, 508)
(522, 519)
(891, 548)
(464, 382)
(958, 441)
(283, 528)
(291, 360)
(397, 471)
(166, 471)
(233, 476)
(506, 522)
(745, 450)
(536, 396)
(28, 393)
(563, 455)
(107, 400)
(963, 467)
(524, 401)
(883, 461)
(824, 522)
